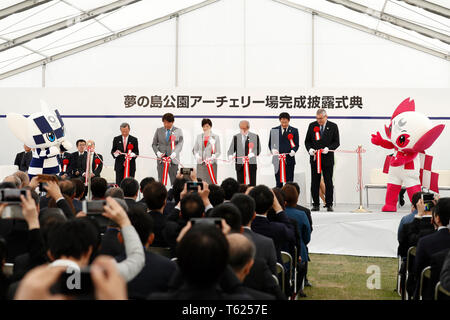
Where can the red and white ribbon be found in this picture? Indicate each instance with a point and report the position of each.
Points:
(246, 170)
(208, 163)
(97, 161)
(291, 140)
(65, 164)
(87, 172)
(172, 142)
(319, 160)
(282, 158)
(166, 161)
(126, 172)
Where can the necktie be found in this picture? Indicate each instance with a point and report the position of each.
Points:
(167, 135)
(321, 130)
(124, 144)
(284, 131)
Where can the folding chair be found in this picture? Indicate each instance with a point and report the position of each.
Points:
(174, 259)
(425, 274)
(280, 273)
(411, 253)
(287, 258)
(163, 251)
(399, 280)
(440, 293)
(295, 268)
(8, 269)
(276, 279)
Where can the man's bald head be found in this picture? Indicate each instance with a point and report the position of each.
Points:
(242, 251)
(13, 179)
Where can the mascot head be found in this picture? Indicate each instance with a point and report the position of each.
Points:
(410, 130)
(40, 130)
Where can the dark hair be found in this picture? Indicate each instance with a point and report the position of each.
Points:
(246, 206)
(7, 185)
(284, 115)
(192, 206)
(202, 255)
(243, 188)
(79, 141)
(177, 188)
(67, 188)
(280, 196)
(415, 198)
(72, 238)
(263, 198)
(79, 187)
(155, 195)
(50, 218)
(442, 210)
(98, 187)
(130, 187)
(230, 213)
(230, 186)
(295, 184)
(142, 222)
(290, 195)
(206, 121)
(216, 194)
(52, 203)
(168, 117)
(145, 182)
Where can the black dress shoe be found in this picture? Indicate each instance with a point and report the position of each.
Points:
(308, 284)
(315, 208)
(301, 294)
(330, 209)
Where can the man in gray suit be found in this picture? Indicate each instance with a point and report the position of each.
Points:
(168, 142)
(243, 144)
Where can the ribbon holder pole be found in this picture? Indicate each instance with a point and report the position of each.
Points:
(88, 173)
(361, 208)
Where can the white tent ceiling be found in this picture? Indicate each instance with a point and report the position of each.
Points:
(22, 22)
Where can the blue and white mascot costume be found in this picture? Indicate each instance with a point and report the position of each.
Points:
(43, 132)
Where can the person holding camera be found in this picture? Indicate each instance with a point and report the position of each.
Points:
(206, 151)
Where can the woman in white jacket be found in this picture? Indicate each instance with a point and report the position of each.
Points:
(206, 148)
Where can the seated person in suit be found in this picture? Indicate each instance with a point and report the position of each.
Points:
(409, 217)
(265, 248)
(280, 229)
(115, 192)
(242, 257)
(23, 159)
(230, 213)
(144, 182)
(77, 162)
(155, 195)
(445, 273)
(98, 188)
(230, 186)
(201, 274)
(216, 195)
(97, 162)
(192, 205)
(435, 242)
(158, 270)
(130, 187)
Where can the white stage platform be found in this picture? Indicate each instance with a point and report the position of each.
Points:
(358, 234)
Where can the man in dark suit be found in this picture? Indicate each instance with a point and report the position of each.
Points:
(240, 147)
(158, 270)
(265, 249)
(435, 242)
(284, 140)
(23, 159)
(77, 162)
(280, 229)
(121, 144)
(155, 195)
(322, 135)
(64, 162)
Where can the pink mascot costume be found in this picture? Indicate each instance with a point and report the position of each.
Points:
(410, 133)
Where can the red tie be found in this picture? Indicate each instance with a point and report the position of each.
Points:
(124, 145)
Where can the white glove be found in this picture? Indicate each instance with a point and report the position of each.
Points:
(275, 152)
(312, 152)
(251, 155)
(173, 155)
(230, 156)
(159, 154)
(66, 144)
(116, 153)
(132, 154)
(292, 153)
(325, 150)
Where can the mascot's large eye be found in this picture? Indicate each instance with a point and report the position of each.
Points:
(51, 136)
(403, 140)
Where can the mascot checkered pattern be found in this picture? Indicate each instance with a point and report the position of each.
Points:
(44, 133)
